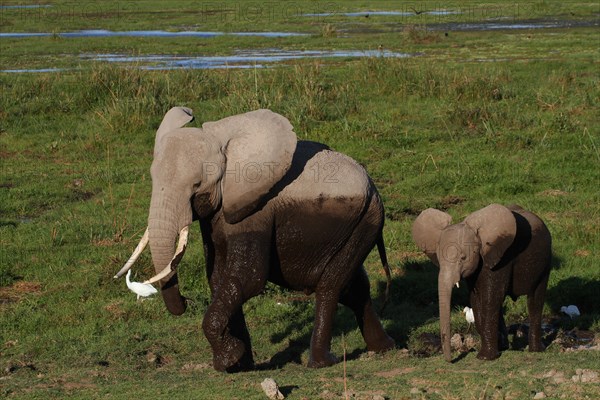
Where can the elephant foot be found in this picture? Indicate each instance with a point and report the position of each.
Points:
(382, 345)
(324, 360)
(537, 347)
(503, 343)
(488, 355)
(230, 355)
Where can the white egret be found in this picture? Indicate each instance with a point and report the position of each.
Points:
(141, 289)
(572, 311)
(468, 311)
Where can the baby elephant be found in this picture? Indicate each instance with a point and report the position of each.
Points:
(499, 251)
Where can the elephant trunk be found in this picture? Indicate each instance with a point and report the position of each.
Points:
(163, 227)
(445, 283)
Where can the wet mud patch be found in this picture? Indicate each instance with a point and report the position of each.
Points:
(429, 344)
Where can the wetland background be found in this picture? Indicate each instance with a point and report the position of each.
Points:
(448, 105)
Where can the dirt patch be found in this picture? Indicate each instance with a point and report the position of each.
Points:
(18, 290)
(449, 201)
(104, 242)
(553, 193)
(395, 372)
(582, 253)
(193, 367)
(115, 309)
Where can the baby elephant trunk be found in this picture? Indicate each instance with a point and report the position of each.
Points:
(445, 284)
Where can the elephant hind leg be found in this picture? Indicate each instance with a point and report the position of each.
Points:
(535, 307)
(239, 330)
(320, 341)
(357, 297)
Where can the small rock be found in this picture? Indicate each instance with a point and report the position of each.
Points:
(540, 395)
(153, 358)
(404, 352)
(589, 376)
(378, 397)
(269, 386)
(456, 341)
(368, 355)
(415, 391)
(470, 342)
(555, 376)
(585, 376)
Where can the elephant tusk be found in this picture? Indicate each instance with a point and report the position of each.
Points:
(457, 284)
(136, 254)
(181, 246)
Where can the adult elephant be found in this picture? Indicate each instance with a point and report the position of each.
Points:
(270, 208)
(499, 251)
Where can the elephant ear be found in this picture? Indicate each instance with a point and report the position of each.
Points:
(496, 227)
(426, 231)
(175, 118)
(259, 153)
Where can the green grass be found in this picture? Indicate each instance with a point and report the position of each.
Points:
(440, 130)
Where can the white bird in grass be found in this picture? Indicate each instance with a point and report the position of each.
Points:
(141, 289)
(571, 311)
(468, 311)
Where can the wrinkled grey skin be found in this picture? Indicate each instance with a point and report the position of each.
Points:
(499, 251)
(303, 217)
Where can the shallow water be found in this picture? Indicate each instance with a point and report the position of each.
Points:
(157, 33)
(495, 25)
(382, 13)
(16, 71)
(11, 7)
(240, 59)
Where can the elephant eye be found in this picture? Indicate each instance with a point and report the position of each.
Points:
(463, 257)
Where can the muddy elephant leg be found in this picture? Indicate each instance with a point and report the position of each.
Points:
(535, 306)
(242, 276)
(490, 310)
(502, 333)
(476, 306)
(320, 341)
(239, 330)
(227, 349)
(357, 297)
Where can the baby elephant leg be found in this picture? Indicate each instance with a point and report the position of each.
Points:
(535, 306)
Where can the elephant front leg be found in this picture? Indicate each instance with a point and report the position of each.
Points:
(489, 315)
(320, 342)
(227, 349)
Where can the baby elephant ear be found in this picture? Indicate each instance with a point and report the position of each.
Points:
(259, 153)
(426, 231)
(496, 227)
(175, 118)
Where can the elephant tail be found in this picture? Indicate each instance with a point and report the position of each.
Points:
(386, 268)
